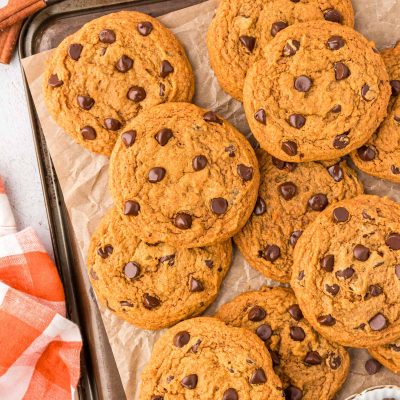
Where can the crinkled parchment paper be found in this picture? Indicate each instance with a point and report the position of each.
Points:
(83, 179)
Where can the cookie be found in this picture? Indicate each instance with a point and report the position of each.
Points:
(242, 28)
(204, 359)
(380, 157)
(388, 356)
(320, 92)
(346, 272)
(152, 286)
(104, 75)
(184, 176)
(290, 197)
(308, 365)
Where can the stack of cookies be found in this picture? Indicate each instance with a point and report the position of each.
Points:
(184, 182)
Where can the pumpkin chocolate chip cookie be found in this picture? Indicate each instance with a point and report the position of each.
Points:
(380, 157)
(388, 355)
(241, 29)
(290, 197)
(308, 365)
(346, 272)
(320, 92)
(204, 359)
(104, 75)
(184, 176)
(153, 286)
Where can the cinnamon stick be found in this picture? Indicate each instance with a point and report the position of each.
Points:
(16, 11)
(8, 41)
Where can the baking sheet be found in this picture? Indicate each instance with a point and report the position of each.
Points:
(83, 179)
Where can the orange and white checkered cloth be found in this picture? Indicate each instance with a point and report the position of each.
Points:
(39, 347)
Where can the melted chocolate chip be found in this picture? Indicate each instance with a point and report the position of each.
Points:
(378, 322)
(132, 207)
(336, 109)
(336, 172)
(366, 153)
(125, 303)
(94, 275)
(393, 241)
(341, 71)
(264, 332)
(335, 361)
(277, 27)
(258, 377)
(297, 121)
(303, 83)
(326, 320)
(287, 190)
(333, 290)
(132, 270)
(261, 116)
(166, 69)
(395, 84)
(260, 207)
(106, 251)
(289, 147)
(248, 41)
(190, 381)
(85, 102)
(195, 285)
(340, 214)
(112, 124)
(219, 205)
(88, 133)
(395, 170)
(144, 28)
(271, 253)
(209, 263)
(293, 393)
(128, 138)
(372, 366)
(124, 64)
(162, 90)
(295, 312)
(256, 314)
(136, 93)
(75, 50)
(245, 172)
(297, 333)
(364, 93)
(54, 81)
(156, 174)
(327, 263)
(170, 258)
(291, 48)
(107, 36)
(183, 221)
(335, 43)
(341, 141)
(211, 116)
(230, 394)
(318, 202)
(231, 150)
(313, 358)
(199, 162)
(157, 397)
(294, 237)
(181, 339)
(163, 136)
(333, 15)
(346, 273)
(374, 291)
(361, 253)
(150, 302)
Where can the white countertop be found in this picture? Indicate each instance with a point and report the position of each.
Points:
(18, 164)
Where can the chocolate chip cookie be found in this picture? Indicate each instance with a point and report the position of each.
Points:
(104, 75)
(290, 197)
(308, 365)
(204, 359)
(184, 176)
(320, 92)
(242, 28)
(388, 356)
(152, 286)
(380, 157)
(346, 272)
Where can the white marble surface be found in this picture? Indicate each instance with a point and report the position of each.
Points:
(18, 164)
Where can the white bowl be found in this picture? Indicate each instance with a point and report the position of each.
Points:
(378, 393)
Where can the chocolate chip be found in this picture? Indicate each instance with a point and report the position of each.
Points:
(156, 174)
(260, 207)
(183, 221)
(333, 290)
(318, 202)
(169, 257)
(297, 333)
(88, 133)
(209, 263)
(261, 116)
(272, 253)
(195, 285)
(397, 270)
(248, 41)
(256, 314)
(231, 150)
(128, 138)
(162, 90)
(132, 270)
(219, 205)
(144, 28)
(136, 93)
(378, 322)
(163, 136)
(393, 241)
(366, 153)
(275, 358)
(181, 339)
(300, 276)
(278, 163)
(335, 361)
(336, 172)
(291, 48)
(106, 251)
(326, 320)
(289, 147)
(395, 84)
(94, 275)
(346, 273)
(211, 116)
(361, 253)
(287, 190)
(54, 81)
(277, 27)
(295, 312)
(75, 50)
(132, 207)
(395, 170)
(313, 358)
(340, 214)
(190, 381)
(293, 393)
(303, 83)
(230, 394)
(336, 109)
(157, 397)
(124, 64)
(333, 15)
(85, 102)
(394, 348)
(245, 172)
(335, 43)
(264, 332)
(294, 237)
(150, 302)
(199, 163)
(125, 303)
(341, 71)
(327, 262)
(258, 377)
(166, 69)
(374, 290)
(372, 366)
(341, 141)
(297, 121)
(112, 124)
(107, 36)
(364, 93)
(103, 51)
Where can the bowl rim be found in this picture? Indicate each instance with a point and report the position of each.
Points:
(371, 389)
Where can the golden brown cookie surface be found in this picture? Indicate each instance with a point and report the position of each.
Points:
(104, 75)
(153, 286)
(320, 92)
(290, 197)
(204, 359)
(308, 365)
(388, 355)
(346, 273)
(184, 176)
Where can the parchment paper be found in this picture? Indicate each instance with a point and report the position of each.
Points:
(83, 179)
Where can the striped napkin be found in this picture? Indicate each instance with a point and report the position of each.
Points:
(40, 348)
